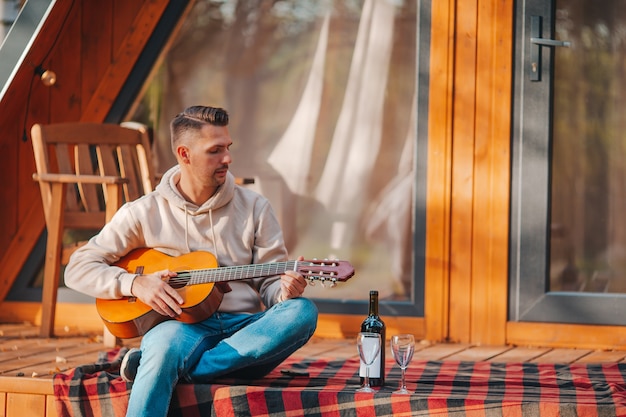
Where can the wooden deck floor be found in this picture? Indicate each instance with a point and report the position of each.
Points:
(28, 362)
(23, 354)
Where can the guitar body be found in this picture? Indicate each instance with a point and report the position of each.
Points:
(128, 317)
(201, 284)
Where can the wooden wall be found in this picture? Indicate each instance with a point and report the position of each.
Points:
(92, 46)
(23, 396)
(468, 187)
(468, 170)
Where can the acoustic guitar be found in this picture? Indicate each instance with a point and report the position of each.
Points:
(201, 284)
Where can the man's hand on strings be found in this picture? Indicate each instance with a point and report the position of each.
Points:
(154, 290)
(292, 284)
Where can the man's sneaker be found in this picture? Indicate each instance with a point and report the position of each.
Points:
(130, 363)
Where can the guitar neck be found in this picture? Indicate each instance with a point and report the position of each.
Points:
(236, 273)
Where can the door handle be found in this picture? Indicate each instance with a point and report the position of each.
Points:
(549, 42)
(535, 49)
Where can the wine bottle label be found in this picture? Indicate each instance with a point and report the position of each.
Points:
(374, 367)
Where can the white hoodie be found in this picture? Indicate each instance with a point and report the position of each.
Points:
(236, 224)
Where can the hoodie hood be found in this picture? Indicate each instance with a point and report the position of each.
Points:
(168, 190)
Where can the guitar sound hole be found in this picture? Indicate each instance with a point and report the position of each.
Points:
(179, 281)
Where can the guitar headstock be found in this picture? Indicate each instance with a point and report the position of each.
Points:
(327, 271)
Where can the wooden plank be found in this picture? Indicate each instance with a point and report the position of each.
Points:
(479, 353)
(603, 356)
(561, 355)
(341, 326)
(27, 350)
(31, 332)
(123, 61)
(51, 408)
(66, 61)
(440, 351)
(486, 299)
(316, 348)
(12, 348)
(46, 363)
(462, 173)
(10, 190)
(70, 317)
(439, 167)
(491, 169)
(520, 354)
(411, 325)
(500, 152)
(26, 385)
(124, 13)
(21, 245)
(64, 363)
(566, 335)
(97, 52)
(9, 330)
(25, 405)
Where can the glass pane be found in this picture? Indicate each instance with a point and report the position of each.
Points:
(322, 100)
(588, 240)
(9, 9)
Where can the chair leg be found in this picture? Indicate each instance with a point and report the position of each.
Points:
(113, 202)
(52, 266)
(108, 339)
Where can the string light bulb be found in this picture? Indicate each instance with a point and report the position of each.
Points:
(48, 77)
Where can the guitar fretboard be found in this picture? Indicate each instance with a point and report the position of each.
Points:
(234, 273)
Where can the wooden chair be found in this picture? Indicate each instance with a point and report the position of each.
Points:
(85, 172)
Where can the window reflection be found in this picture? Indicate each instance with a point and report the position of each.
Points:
(588, 240)
(9, 9)
(322, 102)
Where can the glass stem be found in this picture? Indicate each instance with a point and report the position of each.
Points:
(367, 376)
(403, 375)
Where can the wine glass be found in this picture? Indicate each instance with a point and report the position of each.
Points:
(402, 348)
(369, 345)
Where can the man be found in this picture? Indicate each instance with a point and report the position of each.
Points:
(197, 206)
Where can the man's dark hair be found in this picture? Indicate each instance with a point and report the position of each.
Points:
(193, 118)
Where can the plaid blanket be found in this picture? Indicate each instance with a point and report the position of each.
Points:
(324, 387)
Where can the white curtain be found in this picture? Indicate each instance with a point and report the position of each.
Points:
(320, 94)
(292, 155)
(356, 141)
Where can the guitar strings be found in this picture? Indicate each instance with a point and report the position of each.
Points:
(240, 272)
(232, 273)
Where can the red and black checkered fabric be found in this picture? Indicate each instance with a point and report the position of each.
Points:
(449, 388)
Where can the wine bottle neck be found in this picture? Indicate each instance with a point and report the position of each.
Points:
(373, 311)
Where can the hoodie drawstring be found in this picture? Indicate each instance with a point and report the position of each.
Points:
(187, 230)
(213, 235)
(212, 231)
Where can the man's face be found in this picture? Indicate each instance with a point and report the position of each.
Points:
(209, 155)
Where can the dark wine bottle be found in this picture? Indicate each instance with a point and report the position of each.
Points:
(374, 324)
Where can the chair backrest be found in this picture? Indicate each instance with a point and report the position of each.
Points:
(87, 156)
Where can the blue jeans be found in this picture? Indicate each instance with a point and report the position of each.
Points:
(240, 345)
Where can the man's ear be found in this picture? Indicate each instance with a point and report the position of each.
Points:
(183, 154)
